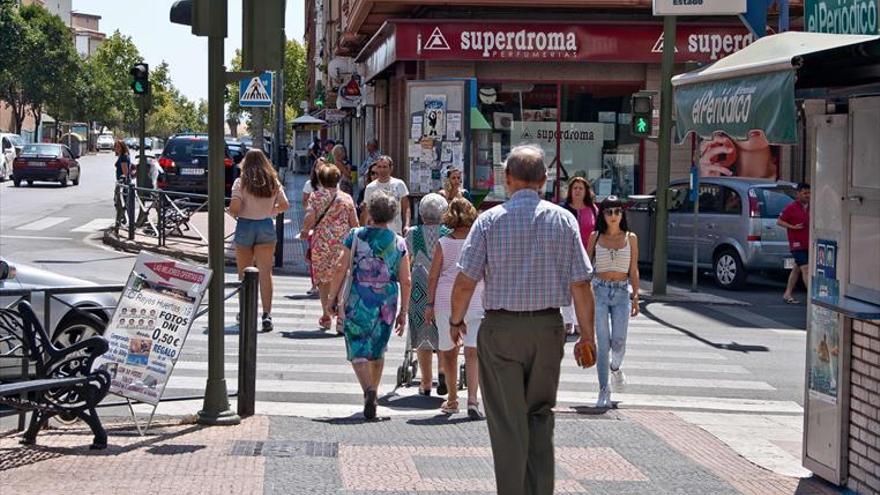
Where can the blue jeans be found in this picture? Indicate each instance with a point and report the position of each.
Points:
(613, 306)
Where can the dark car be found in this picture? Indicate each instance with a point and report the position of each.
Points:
(237, 149)
(46, 162)
(184, 163)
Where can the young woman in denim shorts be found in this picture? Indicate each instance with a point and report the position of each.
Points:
(257, 196)
(615, 254)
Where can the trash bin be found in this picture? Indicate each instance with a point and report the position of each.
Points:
(640, 219)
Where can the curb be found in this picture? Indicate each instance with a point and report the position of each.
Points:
(109, 238)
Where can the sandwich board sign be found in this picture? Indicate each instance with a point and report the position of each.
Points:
(150, 325)
(255, 91)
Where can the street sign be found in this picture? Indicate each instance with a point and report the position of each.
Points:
(699, 7)
(842, 16)
(255, 91)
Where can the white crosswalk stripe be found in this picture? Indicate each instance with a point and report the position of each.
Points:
(95, 225)
(43, 223)
(302, 371)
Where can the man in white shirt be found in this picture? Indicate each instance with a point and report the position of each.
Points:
(390, 185)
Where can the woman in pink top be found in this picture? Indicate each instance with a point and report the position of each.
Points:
(580, 203)
(444, 268)
(257, 196)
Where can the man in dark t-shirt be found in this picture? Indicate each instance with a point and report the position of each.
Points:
(795, 218)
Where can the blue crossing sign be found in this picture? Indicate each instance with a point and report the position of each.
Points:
(255, 91)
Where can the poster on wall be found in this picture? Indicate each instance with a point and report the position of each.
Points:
(453, 126)
(150, 325)
(824, 283)
(823, 356)
(435, 116)
(723, 156)
(580, 142)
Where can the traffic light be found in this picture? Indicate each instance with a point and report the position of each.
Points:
(140, 74)
(319, 95)
(642, 115)
(262, 34)
(207, 17)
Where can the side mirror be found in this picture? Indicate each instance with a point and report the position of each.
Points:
(7, 271)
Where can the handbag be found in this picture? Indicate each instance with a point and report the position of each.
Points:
(345, 290)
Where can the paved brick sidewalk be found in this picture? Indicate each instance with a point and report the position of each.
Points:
(621, 452)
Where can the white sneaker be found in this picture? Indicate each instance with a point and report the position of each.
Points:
(618, 379)
(604, 401)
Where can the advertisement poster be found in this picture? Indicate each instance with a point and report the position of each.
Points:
(723, 156)
(435, 116)
(824, 280)
(150, 325)
(824, 353)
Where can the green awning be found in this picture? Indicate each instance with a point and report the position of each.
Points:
(752, 89)
(738, 105)
(478, 122)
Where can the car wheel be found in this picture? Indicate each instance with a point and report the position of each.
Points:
(63, 180)
(16, 182)
(76, 181)
(728, 270)
(77, 328)
(30, 182)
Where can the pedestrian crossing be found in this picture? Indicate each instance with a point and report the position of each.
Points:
(63, 225)
(302, 371)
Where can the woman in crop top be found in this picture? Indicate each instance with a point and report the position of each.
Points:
(257, 196)
(615, 254)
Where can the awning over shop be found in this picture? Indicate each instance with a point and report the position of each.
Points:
(752, 89)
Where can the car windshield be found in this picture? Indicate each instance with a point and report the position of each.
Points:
(772, 200)
(16, 140)
(41, 150)
(182, 149)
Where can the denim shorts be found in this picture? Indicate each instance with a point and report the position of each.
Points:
(801, 257)
(251, 232)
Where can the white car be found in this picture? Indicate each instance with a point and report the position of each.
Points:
(105, 142)
(10, 147)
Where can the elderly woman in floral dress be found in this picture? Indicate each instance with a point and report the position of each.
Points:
(379, 264)
(420, 242)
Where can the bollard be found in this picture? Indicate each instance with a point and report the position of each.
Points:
(247, 342)
(129, 205)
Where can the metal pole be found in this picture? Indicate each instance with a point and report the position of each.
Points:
(696, 196)
(279, 146)
(663, 165)
(129, 206)
(216, 406)
(142, 173)
(247, 342)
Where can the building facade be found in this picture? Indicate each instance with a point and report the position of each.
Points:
(87, 35)
(456, 84)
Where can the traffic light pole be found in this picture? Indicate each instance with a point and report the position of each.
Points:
(142, 172)
(661, 216)
(215, 410)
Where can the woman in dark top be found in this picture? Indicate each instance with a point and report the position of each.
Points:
(123, 162)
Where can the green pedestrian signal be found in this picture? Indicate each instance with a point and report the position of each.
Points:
(140, 74)
(642, 115)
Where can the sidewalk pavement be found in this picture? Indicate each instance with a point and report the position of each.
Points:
(621, 451)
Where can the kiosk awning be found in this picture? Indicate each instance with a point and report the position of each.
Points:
(752, 89)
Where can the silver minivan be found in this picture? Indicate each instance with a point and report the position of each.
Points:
(736, 230)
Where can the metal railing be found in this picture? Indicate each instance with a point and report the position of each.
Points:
(158, 214)
(247, 291)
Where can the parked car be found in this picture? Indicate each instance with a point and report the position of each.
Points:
(237, 149)
(736, 230)
(46, 162)
(184, 163)
(10, 147)
(131, 142)
(105, 142)
(73, 317)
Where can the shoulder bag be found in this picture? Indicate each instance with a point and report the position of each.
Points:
(320, 217)
(345, 290)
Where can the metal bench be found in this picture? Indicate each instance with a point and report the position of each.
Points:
(63, 383)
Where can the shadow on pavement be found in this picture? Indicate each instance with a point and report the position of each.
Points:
(310, 335)
(354, 419)
(733, 346)
(441, 419)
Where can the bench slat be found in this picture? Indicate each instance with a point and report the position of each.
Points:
(16, 388)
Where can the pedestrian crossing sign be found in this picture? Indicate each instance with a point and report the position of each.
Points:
(255, 91)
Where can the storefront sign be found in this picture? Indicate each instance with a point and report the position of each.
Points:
(577, 140)
(574, 42)
(736, 106)
(699, 7)
(842, 16)
(150, 325)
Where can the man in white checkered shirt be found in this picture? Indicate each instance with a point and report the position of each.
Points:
(530, 255)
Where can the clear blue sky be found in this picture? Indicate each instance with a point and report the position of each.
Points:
(146, 21)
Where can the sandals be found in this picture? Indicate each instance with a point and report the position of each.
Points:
(790, 300)
(449, 407)
(473, 411)
(426, 393)
(441, 384)
(324, 322)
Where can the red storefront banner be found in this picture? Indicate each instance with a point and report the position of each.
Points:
(556, 42)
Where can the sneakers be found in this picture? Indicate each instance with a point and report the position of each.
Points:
(604, 401)
(618, 379)
(267, 322)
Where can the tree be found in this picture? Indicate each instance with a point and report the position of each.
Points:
(13, 44)
(115, 102)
